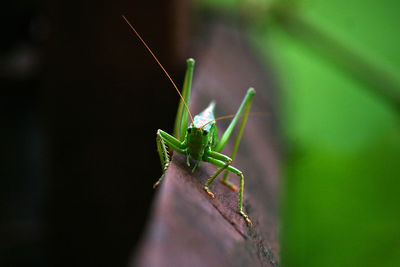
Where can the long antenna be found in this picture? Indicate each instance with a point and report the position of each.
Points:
(166, 73)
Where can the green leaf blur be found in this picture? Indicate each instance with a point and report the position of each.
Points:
(339, 76)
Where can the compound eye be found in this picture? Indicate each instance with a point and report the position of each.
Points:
(205, 132)
(189, 130)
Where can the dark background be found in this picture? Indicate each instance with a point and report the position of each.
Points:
(82, 100)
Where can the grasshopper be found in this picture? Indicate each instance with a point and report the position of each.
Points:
(199, 140)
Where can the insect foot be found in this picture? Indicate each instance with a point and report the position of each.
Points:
(246, 218)
(156, 184)
(229, 185)
(209, 192)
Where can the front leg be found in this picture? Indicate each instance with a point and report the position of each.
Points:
(163, 140)
(212, 178)
(222, 157)
(228, 167)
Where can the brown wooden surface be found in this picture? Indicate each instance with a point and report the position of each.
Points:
(187, 227)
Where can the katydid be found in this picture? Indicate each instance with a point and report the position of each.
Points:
(199, 140)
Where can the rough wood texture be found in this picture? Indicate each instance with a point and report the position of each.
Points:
(188, 228)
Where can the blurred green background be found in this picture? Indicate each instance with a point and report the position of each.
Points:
(338, 64)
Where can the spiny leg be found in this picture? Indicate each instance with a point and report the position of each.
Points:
(240, 203)
(245, 104)
(225, 180)
(164, 157)
(220, 156)
(163, 140)
(212, 178)
(243, 109)
(230, 168)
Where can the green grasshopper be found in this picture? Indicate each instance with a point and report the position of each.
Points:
(199, 140)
